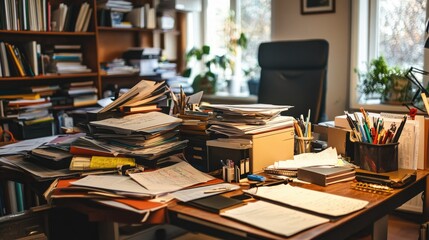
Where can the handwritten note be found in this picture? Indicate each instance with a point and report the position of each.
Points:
(172, 178)
(315, 201)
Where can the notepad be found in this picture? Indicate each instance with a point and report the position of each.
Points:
(215, 203)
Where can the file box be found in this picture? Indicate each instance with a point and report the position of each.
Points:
(378, 158)
(270, 147)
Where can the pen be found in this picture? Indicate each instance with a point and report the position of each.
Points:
(399, 131)
(215, 190)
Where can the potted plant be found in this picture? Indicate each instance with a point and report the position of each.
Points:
(380, 81)
(206, 80)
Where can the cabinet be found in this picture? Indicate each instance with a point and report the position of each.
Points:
(99, 44)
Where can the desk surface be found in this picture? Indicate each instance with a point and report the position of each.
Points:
(379, 205)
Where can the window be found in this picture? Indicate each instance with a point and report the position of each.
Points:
(399, 32)
(253, 18)
(390, 28)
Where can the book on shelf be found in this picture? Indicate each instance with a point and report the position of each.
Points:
(4, 61)
(14, 60)
(85, 100)
(325, 175)
(83, 11)
(137, 17)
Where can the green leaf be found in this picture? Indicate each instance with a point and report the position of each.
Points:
(187, 72)
(206, 49)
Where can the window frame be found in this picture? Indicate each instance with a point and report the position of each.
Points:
(364, 19)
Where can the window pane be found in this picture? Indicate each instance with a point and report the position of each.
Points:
(217, 12)
(256, 24)
(401, 32)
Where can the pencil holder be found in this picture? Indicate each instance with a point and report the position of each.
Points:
(303, 144)
(378, 158)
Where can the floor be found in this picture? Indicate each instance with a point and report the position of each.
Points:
(401, 226)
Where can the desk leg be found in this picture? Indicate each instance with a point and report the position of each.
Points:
(108, 230)
(379, 229)
(426, 201)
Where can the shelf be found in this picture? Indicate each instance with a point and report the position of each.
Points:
(119, 75)
(35, 33)
(49, 76)
(113, 29)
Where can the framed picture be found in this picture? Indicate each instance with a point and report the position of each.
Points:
(317, 6)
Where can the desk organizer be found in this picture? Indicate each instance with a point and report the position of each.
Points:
(376, 157)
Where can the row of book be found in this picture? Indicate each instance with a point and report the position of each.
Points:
(27, 59)
(15, 197)
(20, 61)
(40, 15)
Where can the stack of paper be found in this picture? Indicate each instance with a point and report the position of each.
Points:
(146, 135)
(236, 120)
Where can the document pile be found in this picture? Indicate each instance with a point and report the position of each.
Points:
(146, 136)
(136, 193)
(143, 97)
(237, 120)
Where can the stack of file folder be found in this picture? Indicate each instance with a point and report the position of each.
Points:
(238, 120)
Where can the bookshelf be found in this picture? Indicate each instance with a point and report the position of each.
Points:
(171, 41)
(98, 44)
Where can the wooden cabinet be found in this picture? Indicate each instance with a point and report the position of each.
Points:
(99, 44)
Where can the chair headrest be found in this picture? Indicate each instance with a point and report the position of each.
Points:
(295, 54)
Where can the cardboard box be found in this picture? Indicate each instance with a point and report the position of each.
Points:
(270, 147)
(339, 138)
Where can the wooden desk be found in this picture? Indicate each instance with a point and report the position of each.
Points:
(379, 206)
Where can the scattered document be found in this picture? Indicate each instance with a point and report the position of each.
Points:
(36, 170)
(172, 178)
(200, 192)
(25, 145)
(112, 182)
(314, 201)
(327, 157)
(274, 218)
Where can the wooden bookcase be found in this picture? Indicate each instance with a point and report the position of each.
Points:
(100, 44)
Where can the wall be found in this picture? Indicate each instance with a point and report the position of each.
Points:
(289, 24)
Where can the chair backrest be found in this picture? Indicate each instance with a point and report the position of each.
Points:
(294, 73)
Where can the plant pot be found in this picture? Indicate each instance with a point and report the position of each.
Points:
(399, 92)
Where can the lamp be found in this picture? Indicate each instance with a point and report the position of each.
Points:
(420, 90)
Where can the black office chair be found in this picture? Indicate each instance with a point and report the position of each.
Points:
(294, 73)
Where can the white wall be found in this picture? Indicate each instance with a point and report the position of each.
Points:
(289, 24)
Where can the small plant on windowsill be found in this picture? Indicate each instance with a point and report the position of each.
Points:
(380, 81)
(206, 80)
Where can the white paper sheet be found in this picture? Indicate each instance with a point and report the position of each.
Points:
(315, 201)
(112, 182)
(172, 178)
(328, 156)
(274, 218)
(200, 192)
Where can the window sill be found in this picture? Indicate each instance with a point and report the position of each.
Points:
(379, 107)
